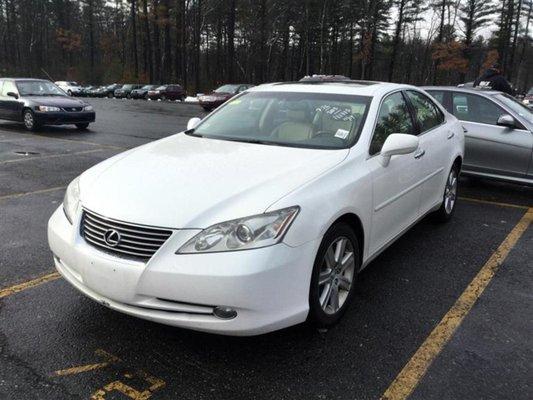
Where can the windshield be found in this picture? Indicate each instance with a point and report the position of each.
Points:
(38, 88)
(227, 89)
(127, 87)
(519, 108)
(313, 120)
(74, 84)
(161, 88)
(148, 87)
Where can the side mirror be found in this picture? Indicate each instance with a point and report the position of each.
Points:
(396, 144)
(506, 120)
(193, 123)
(13, 94)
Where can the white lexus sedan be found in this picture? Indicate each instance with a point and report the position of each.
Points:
(261, 215)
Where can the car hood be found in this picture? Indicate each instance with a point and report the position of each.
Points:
(189, 182)
(63, 101)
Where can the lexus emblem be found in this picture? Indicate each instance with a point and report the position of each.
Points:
(112, 237)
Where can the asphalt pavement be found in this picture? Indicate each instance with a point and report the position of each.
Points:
(57, 344)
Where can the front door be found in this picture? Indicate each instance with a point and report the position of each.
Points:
(396, 187)
(490, 148)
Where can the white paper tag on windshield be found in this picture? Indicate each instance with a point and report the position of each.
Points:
(342, 133)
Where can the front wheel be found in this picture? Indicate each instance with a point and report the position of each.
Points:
(82, 127)
(29, 120)
(447, 208)
(110, 95)
(334, 272)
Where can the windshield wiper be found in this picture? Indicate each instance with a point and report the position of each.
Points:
(191, 132)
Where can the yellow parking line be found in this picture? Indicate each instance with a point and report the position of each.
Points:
(408, 379)
(29, 284)
(14, 195)
(51, 156)
(494, 203)
(90, 367)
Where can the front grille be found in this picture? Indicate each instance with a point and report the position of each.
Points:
(73, 109)
(132, 241)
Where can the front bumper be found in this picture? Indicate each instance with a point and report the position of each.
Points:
(268, 287)
(64, 117)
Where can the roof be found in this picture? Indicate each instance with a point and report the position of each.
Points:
(359, 88)
(24, 79)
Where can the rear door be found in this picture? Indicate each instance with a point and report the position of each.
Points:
(490, 148)
(435, 147)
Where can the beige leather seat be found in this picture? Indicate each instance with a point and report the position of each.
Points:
(296, 127)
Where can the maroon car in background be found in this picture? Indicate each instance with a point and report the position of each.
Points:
(221, 95)
(167, 92)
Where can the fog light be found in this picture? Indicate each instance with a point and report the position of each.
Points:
(224, 312)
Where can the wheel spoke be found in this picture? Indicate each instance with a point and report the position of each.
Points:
(339, 250)
(324, 277)
(330, 258)
(334, 302)
(347, 261)
(325, 296)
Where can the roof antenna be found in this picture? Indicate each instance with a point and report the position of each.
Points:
(47, 74)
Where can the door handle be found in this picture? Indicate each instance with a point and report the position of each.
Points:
(450, 135)
(465, 130)
(420, 153)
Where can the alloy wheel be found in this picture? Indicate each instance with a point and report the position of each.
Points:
(336, 275)
(450, 192)
(29, 121)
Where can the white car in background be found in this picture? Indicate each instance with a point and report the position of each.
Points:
(261, 215)
(70, 87)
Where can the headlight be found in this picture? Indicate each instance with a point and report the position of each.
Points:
(88, 108)
(240, 234)
(72, 199)
(48, 108)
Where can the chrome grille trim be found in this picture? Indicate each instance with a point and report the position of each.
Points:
(136, 241)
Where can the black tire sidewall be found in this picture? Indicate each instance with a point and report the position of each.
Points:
(317, 316)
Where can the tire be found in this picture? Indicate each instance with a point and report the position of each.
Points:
(82, 127)
(110, 95)
(28, 117)
(163, 98)
(331, 276)
(449, 200)
(128, 96)
(146, 97)
(182, 99)
(69, 92)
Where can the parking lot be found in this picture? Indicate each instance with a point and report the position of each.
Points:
(445, 313)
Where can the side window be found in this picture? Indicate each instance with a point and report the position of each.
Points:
(427, 113)
(474, 108)
(438, 95)
(393, 117)
(8, 87)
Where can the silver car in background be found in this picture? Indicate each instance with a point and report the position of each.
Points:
(498, 132)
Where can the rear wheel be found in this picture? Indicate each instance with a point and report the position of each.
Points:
(29, 120)
(332, 284)
(82, 127)
(163, 98)
(447, 208)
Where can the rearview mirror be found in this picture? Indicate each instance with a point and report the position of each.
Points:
(506, 120)
(396, 144)
(193, 123)
(13, 94)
